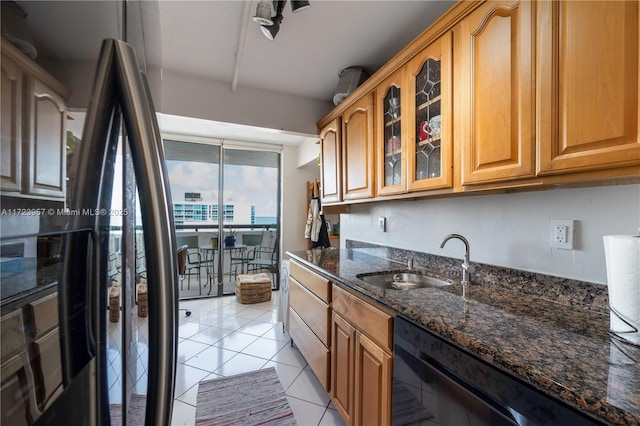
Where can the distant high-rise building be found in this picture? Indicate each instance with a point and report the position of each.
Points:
(193, 211)
(192, 196)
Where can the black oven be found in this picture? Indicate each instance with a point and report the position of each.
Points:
(437, 383)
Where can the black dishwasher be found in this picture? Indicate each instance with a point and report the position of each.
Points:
(437, 383)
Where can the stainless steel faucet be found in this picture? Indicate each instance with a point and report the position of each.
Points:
(466, 267)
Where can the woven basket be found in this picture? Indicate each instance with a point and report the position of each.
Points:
(114, 304)
(253, 288)
(143, 300)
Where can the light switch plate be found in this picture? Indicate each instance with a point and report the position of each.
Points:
(382, 224)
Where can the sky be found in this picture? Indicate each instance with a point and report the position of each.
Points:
(250, 184)
(243, 184)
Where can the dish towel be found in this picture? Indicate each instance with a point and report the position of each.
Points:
(316, 228)
(314, 221)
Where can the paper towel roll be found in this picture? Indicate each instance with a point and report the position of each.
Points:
(622, 255)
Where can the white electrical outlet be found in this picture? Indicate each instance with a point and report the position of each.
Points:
(382, 224)
(562, 234)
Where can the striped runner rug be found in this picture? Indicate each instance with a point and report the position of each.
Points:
(254, 398)
(135, 413)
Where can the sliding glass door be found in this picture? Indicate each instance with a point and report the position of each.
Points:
(226, 209)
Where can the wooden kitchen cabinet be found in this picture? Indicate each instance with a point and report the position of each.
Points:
(44, 159)
(414, 140)
(392, 134)
(315, 312)
(494, 95)
(358, 150)
(373, 381)
(33, 129)
(44, 349)
(31, 362)
(310, 319)
(314, 352)
(331, 162)
(14, 391)
(47, 367)
(10, 161)
(342, 367)
(371, 320)
(12, 333)
(588, 73)
(362, 360)
(500, 95)
(430, 149)
(16, 388)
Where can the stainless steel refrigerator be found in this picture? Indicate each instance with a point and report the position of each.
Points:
(88, 286)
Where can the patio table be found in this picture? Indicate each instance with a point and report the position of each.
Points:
(209, 259)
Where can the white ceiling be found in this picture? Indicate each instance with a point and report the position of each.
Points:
(313, 45)
(219, 40)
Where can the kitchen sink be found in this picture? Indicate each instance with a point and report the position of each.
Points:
(401, 280)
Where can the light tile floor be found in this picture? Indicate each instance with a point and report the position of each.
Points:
(223, 337)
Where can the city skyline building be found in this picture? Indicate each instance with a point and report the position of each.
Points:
(194, 211)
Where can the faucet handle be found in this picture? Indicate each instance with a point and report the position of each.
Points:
(468, 267)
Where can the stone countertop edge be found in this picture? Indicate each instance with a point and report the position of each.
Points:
(563, 351)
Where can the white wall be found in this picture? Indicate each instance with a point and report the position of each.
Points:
(308, 152)
(198, 97)
(511, 230)
(294, 199)
(77, 76)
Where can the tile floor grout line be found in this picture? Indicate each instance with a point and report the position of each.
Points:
(309, 402)
(228, 309)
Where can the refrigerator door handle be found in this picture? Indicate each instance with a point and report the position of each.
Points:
(120, 83)
(159, 238)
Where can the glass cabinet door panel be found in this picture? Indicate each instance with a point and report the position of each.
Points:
(428, 102)
(392, 138)
(430, 151)
(392, 134)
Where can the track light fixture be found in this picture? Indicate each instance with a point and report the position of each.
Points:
(270, 31)
(297, 6)
(263, 13)
(271, 25)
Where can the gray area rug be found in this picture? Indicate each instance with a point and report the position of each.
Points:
(135, 413)
(254, 398)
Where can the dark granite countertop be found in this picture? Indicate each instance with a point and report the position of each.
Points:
(562, 350)
(33, 278)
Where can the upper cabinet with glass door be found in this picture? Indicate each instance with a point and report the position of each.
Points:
(546, 93)
(392, 134)
(430, 146)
